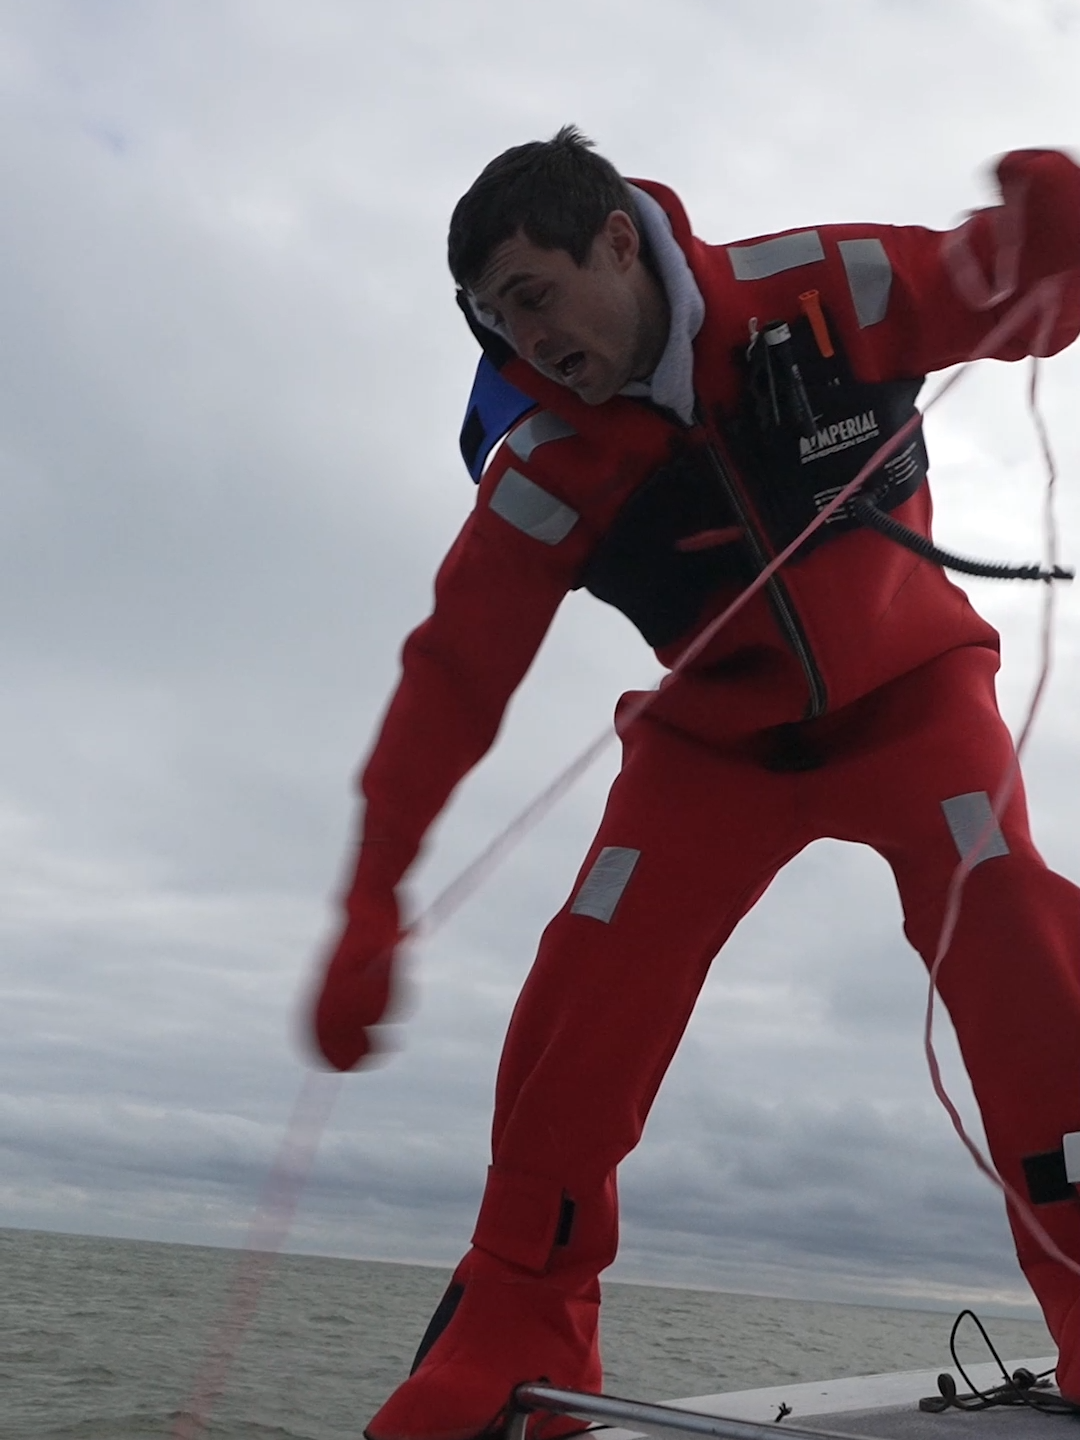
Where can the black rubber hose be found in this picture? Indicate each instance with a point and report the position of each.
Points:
(884, 524)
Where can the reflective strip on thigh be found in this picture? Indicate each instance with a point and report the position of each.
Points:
(770, 257)
(538, 430)
(528, 508)
(970, 817)
(1070, 1149)
(603, 887)
(869, 276)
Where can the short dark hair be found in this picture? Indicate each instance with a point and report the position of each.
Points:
(558, 191)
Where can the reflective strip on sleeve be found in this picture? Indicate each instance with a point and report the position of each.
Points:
(603, 887)
(1070, 1148)
(970, 817)
(527, 507)
(538, 430)
(869, 274)
(769, 257)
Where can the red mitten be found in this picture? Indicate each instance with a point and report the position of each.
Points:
(356, 989)
(1042, 188)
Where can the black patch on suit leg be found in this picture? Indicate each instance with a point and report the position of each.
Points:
(444, 1313)
(1046, 1179)
(565, 1228)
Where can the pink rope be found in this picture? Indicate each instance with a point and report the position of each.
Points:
(1021, 1207)
(266, 1235)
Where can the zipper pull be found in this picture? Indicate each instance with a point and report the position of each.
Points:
(710, 539)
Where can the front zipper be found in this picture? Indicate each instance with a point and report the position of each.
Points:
(777, 591)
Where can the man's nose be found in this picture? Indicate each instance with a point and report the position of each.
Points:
(530, 337)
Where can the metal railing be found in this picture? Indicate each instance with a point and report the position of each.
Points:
(636, 1415)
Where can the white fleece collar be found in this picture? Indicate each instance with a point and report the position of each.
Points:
(672, 382)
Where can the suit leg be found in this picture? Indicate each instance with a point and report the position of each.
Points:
(688, 842)
(919, 791)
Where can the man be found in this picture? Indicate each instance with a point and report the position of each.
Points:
(679, 412)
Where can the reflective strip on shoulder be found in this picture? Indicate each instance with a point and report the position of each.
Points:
(971, 823)
(869, 275)
(538, 430)
(770, 257)
(603, 887)
(523, 504)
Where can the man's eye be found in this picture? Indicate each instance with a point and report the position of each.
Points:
(534, 301)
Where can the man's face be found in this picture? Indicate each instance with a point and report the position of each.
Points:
(582, 326)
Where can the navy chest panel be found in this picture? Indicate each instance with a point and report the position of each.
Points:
(672, 545)
(805, 428)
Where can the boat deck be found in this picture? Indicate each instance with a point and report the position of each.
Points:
(881, 1407)
(886, 1406)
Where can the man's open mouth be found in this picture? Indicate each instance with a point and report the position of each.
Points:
(570, 364)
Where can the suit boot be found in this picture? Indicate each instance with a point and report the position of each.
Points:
(522, 1306)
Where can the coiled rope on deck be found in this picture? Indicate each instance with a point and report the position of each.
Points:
(1021, 1387)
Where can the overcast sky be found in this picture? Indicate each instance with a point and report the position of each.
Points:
(233, 375)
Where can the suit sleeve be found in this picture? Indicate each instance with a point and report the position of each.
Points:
(921, 300)
(496, 594)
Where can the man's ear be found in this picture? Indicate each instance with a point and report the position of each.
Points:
(620, 236)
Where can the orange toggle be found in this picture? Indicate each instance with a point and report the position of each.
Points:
(810, 300)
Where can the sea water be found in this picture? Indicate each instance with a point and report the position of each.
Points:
(104, 1340)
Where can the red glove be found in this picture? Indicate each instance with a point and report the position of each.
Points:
(1044, 186)
(357, 987)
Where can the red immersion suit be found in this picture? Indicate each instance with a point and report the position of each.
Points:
(853, 698)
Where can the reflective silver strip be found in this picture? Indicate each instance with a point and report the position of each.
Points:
(538, 430)
(1070, 1145)
(968, 817)
(869, 276)
(603, 887)
(524, 505)
(769, 257)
